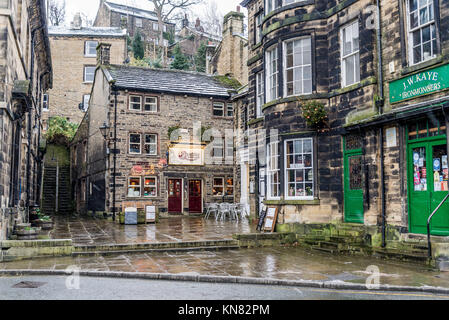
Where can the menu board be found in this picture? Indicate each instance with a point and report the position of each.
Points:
(271, 218)
(150, 212)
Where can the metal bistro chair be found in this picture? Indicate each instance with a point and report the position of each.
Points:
(211, 207)
(223, 211)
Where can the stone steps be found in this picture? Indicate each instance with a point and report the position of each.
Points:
(155, 247)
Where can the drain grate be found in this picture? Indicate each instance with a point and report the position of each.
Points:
(29, 285)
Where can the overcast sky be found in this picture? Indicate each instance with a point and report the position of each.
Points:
(90, 7)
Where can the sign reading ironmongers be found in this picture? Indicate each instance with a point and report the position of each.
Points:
(420, 84)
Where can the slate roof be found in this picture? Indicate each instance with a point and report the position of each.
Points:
(168, 81)
(133, 11)
(86, 31)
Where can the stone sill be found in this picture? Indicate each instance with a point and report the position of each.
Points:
(423, 65)
(254, 121)
(315, 202)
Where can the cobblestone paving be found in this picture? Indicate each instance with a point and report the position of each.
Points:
(89, 231)
(277, 263)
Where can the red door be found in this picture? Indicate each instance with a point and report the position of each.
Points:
(175, 196)
(195, 198)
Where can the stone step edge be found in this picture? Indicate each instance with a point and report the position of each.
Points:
(106, 253)
(155, 245)
(336, 285)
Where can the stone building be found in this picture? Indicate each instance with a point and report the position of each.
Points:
(190, 38)
(357, 165)
(26, 73)
(231, 55)
(74, 56)
(134, 20)
(164, 121)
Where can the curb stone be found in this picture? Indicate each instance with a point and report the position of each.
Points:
(336, 285)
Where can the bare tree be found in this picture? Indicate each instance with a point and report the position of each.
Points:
(213, 18)
(56, 12)
(165, 10)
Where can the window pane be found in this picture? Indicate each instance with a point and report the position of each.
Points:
(414, 19)
(413, 5)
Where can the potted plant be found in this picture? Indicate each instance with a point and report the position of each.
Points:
(42, 221)
(315, 115)
(26, 232)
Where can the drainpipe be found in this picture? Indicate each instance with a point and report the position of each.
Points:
(114, 192)
(381, 131)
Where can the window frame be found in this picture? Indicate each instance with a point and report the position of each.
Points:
(260, 90)
(229, 105)
(86, 49)
(258, 27)
(130, 103)
(145, 104)
(269, 75)
(228, 186)
(286, 169)
(410, 31)
(222, 186)
(302, 66)
(155, 26)
(131, 186)
(343, 57)
(270, 170)
(134, 143)
(145, 143)
(45, 101)
(85, 74)
(274, 4)
(214, 104)
(150, 186)
(140, 24)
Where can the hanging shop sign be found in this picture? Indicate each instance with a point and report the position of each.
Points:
(187, 155)
(420, 84)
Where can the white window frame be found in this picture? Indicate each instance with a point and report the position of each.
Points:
(218, 144)
(86, 97)
(45, 102)
(301, 66)
(131, 103)
(229, 110)
(138, 22)
(156, 26)
(155, 144)
(164, 28)
(219, 186)
(152, 104)
(87, 48)
(150, 186)
(134, 143)
(420, 27)
(271, 76)
(86, 68)
(215, 108)
(131, 186)
(272, 170)
(286, 170)
(260, 90)
(353, 53)
(258, 35)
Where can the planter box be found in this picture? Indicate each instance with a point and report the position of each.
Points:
(45, 225)
(141, 217)
(27, 234)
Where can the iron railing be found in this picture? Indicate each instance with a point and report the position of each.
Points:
(429, 244)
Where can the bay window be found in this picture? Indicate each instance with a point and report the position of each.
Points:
(298, 66)
(422, 40)
(271, 5)
(299, 176)
(273, 171)
(271, 72)
(350, 54)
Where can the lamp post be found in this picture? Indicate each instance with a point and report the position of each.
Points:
(105, 131)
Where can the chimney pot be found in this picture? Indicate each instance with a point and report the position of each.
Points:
(104, 54)
(238, 8)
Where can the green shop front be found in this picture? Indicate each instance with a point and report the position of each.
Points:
(426, 128)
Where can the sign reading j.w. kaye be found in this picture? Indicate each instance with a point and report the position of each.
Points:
(420, 84)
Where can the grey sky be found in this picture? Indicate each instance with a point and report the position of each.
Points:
(90, 7)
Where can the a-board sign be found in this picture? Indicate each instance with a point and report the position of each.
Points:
(263, 214)
(270, 220)
(150, 213)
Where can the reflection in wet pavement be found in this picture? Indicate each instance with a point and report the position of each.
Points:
(276, 263)
(88, 231)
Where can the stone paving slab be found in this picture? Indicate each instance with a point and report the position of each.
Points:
(274, 263)
(90, 231)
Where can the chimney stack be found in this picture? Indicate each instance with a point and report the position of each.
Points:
(104, 54)
(77, 22)
(238, 8)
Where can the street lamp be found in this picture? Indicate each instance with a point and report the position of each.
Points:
(104, 129)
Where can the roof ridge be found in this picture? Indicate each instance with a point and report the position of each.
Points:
(162, 69)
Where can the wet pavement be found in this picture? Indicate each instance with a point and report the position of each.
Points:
(89, 231)
(276, 263)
